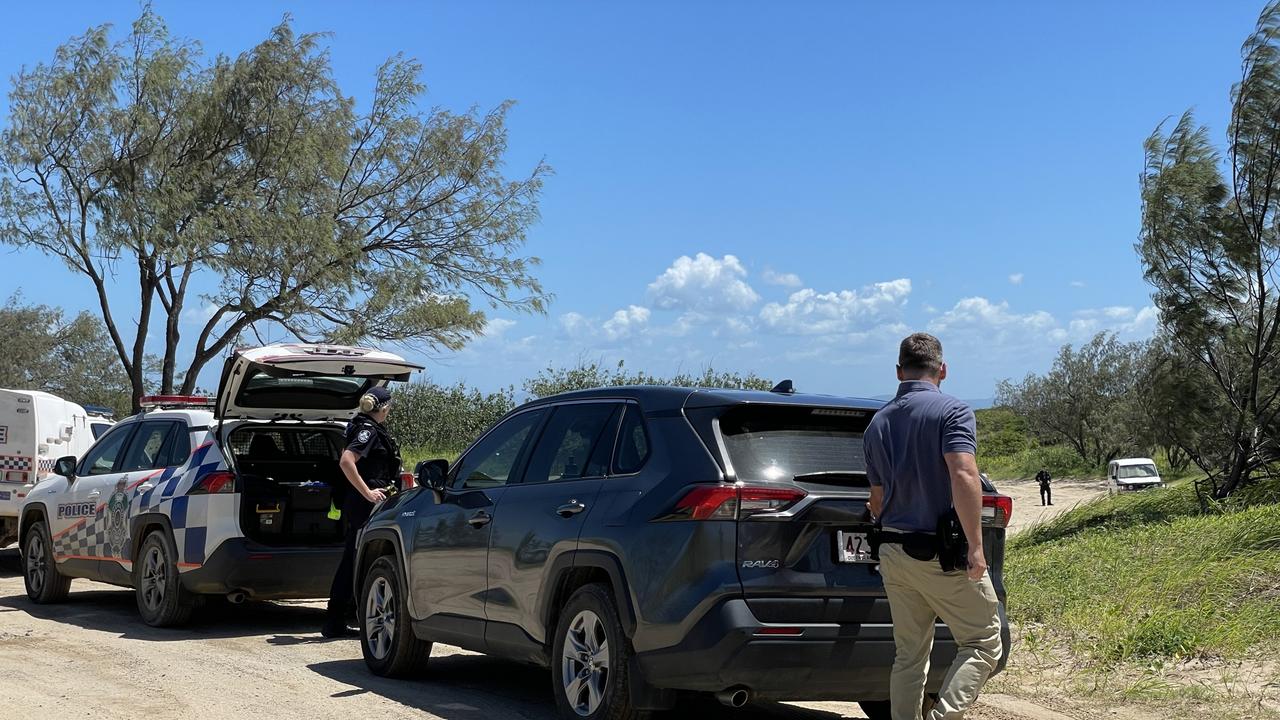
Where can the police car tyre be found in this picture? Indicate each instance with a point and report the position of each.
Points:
(39, 571)
(386, 634)
(162, 601)
(590, 657)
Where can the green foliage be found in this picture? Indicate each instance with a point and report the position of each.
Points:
(1060, 460)
(432, 421)
(71, 359)
(259, 175)
(1001, 432)
(1085, 401)
(584, 376)
(1211, 249)
(1149, 576)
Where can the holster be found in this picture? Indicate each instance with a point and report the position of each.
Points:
(953, 546)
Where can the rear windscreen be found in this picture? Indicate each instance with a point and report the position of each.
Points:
(300, 390)
(808, 445)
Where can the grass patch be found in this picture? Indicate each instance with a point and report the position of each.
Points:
(1148, 576)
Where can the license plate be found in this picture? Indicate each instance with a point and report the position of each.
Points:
(853, 547)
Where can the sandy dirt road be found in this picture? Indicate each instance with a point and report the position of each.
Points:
(1067, 494)
(92, 657)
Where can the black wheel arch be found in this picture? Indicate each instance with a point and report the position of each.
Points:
(140, 526)
(377, 543)
(573, 569)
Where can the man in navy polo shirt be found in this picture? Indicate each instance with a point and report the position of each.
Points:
(920, 450)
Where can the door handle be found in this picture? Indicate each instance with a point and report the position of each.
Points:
(145, 487)
(95, 493)
(480, 519)
(571, 508)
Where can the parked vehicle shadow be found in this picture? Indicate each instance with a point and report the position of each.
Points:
(116, 611)
(464, 687)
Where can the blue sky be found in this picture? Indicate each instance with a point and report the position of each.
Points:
(785, 188)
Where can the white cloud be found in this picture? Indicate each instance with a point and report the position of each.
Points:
(625, 323)
(1015, 279)
(703, 283)
(783, 279)
(979, 319)
(1077, 283)
(575, 325)
(808, 312)
(497, 327)
(199, 314)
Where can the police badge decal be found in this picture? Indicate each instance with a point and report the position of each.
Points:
(117, 521)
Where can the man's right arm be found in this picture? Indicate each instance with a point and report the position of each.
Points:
(966, 495)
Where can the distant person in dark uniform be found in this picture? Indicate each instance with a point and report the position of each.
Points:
(370, 463)
(1046, 492)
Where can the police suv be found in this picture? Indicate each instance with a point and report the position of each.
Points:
(225, 496)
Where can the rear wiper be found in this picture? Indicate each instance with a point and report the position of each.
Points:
(830, 474)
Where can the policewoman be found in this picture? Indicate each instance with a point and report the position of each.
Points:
(370, 463)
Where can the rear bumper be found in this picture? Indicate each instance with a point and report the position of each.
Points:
(847, 661)
(265, 573)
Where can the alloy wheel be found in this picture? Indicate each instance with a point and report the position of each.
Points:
(584, 667)
(154, 578)
(36, 568)
(380, 617)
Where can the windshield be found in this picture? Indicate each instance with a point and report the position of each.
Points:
(815, 445)
(1126, 472)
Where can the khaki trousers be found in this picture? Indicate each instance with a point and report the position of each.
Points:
(919, 591)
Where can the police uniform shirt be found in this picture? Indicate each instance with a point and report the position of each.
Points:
(375, 450)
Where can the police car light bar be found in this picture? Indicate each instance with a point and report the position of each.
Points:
(154, 401)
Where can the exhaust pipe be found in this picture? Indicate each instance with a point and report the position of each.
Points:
(734, 697)
(235, 598)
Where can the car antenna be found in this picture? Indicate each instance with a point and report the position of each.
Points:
(786, 387)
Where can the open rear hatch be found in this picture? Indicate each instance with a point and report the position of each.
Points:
(303, 381)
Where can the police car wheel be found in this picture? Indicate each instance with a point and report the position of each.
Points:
(39, 571)
(590, 658)
(162, 601)
(386, 636)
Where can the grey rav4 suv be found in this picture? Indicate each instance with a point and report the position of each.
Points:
(644, 541)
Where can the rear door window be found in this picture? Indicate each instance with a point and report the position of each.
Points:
(820, 446)
(491, 462)
(576, 443)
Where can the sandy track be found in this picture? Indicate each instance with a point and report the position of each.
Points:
(92, 657)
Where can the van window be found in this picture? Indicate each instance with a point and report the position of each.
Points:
(813, 445)
(1129, 472)
(98, 429)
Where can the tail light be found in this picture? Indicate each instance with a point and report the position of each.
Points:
(214, 483)
(996, 510)
(406, 481)
(733, 502)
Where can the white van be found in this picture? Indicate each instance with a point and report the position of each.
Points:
(1132, 474)
(36, 429)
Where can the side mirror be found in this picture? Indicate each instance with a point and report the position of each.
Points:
(66, 467)
(431, 474)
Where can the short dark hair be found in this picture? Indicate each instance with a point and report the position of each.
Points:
(920, 354)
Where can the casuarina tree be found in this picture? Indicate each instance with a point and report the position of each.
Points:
(249, 192)
(1210, 247)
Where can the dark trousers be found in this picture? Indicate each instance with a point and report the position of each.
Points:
(1046, 496)
(342, 597)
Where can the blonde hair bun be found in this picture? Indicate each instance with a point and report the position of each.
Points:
(368, 403)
